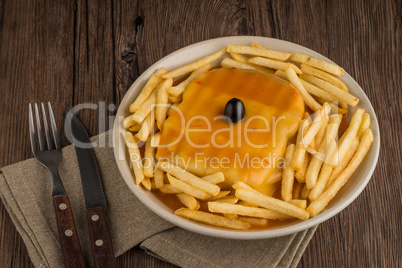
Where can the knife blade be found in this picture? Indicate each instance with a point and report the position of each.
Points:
(95, 201)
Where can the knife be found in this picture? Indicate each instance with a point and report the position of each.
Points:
(95, 201)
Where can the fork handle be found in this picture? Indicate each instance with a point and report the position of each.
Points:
(70, 243)
(101, 241)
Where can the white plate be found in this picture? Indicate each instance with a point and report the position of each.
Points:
(346, 195)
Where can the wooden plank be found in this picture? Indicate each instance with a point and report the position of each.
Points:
(36, 59)
(367, 44)
(94, 64)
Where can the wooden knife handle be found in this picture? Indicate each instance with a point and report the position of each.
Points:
(101, 242)
(70, 243)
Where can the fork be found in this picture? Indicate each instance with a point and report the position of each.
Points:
(51, 158)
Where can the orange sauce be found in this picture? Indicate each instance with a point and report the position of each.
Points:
(205, 143)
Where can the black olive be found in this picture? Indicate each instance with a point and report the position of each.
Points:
(234, 111)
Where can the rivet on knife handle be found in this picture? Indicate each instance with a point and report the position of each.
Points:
(101, 242)
(68, 232)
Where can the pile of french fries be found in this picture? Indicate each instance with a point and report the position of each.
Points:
(316, 165)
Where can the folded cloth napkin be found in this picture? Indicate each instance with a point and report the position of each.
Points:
(26, 193)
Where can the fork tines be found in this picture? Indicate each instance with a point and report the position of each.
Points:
(51, 144)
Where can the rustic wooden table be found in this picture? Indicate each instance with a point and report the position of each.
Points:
(91, 51)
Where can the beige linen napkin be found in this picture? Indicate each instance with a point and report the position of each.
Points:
(26, 194)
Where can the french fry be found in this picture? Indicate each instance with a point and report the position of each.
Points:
(187, 188)
(297, 190)
(229, 63)
(162, 98)
(294, 79)
(179, 89)
(241, 58)
(135, 157)
(317, 160)
(238, 57)
(147, 127)
(159, 178)
(176, 100)
(189, 201)
(149, 160)
(136, 162)
(311, 147)
(254, 44)
(274, 64)
(347, 138)
(322, 180)
(228, 199)
(304, 193)
(219, 196)
(230, 216)
(147, 90)
(330, 150)
(135, 128)
(209, 218)
(320, 117)
(264, 52)
(324, 76)
(247, 204)
(272, 204)
(324, 174)
(254, 221)
(219, 207)
(189, 178)
(194, 65)
(320, 134)
(128, 122)
(341, 95)
(300, 152)
(298, 57)
(214, 178)
(241, 185)
(281, 74)
(145, 109)
(169, 189)
(146, 182)
(288, 174)
(298, 202)
(318, 205)
(319, 64)
(365, 124)
(300, 175)
(155, 139)
(343, 162)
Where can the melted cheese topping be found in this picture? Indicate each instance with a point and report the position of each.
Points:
(196, 137)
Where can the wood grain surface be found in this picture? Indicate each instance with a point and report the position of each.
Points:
(73, 52)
